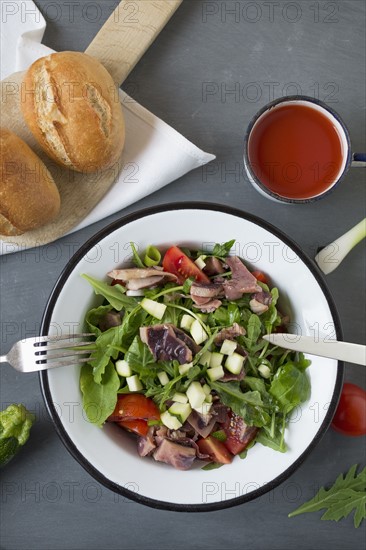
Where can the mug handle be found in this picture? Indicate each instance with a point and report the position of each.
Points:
(359, 159)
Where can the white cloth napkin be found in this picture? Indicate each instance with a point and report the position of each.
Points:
(165, 156)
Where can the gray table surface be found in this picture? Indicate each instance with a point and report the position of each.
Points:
(262, 50)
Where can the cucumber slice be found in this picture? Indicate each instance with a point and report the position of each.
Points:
(180, 398)
(264, 371)
(133, 383)
(205, 359)
(196, 395)
(198, 334)
(155, 309)
(228, 347)
(123, 368)
(206, 388)
(170, 421)
(183, 369)
(234, 363)
(186, 321)
(216, 359)
(181, 411)
(204, 408)
(200, 262)
(216, 373)
(163, 378)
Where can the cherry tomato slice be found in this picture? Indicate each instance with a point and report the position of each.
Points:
(260, 276)
(178, 263)
(238, 434)
(215, 450)
(139, 427)
(134, 406)
(350, 416)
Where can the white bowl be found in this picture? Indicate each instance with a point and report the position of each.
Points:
(109, 454)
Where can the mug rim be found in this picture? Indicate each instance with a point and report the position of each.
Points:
(268, 107)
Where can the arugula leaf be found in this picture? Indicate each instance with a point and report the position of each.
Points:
(254, 330)
(248, 405)
(93, 317)
(274, 441)
(139, 356)
(226, 316)
(99, 400)
(223, 250)
(256, 384)
(212, 466)
(115, 295)
(131, 324)
(347, 494)
(105, 349)
(290, 385)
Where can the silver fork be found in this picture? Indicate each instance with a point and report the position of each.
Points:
(48, 352)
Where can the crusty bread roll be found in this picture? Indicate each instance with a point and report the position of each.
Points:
(29, 197)
(70, 103)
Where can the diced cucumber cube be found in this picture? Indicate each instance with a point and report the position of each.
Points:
(205, 358)
(204, 408)
(198, 334)
(170, 421)
(206, 388)
(228, 347)
(134, 383)
(155, 309)
(196, 395)
(264, 370)
(186, 321)
(163, 378)
(123, 368)
(216, 373)
(234, 363)
(216, 359)
(208, 399)
(200, 262)
(183, 369)
(181, 411)
(180, 398)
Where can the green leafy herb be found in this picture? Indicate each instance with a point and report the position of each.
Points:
(273, 440)
(211, 466)
(115, 295)
(223, 250)
(106, 347)
(99, 400)
(94, 316)
(248, 405)
(290, 385)
(347, 495)
(253, 331)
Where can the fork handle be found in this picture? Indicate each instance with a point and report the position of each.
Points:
(3, 359)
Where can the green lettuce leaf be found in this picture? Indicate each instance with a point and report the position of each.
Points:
(290, 385)
(99, 400)
(115, 295)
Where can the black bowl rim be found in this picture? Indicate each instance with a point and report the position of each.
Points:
(43, 375)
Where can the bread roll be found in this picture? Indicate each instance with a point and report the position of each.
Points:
(29, 197)
(70, 103)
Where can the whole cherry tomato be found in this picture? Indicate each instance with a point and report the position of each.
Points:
(350, 416)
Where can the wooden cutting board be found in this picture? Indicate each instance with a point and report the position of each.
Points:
(119, 45)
